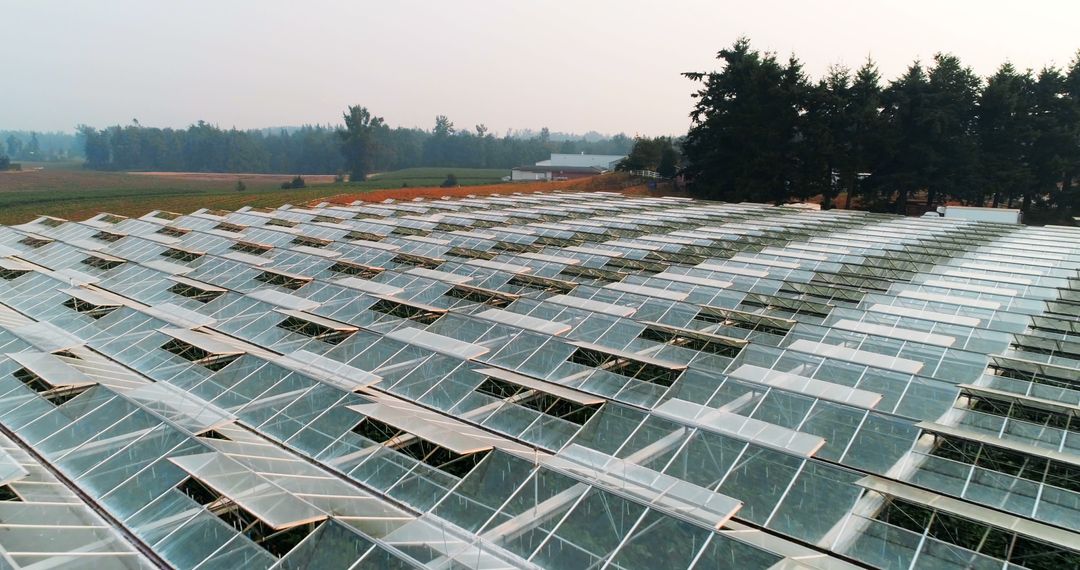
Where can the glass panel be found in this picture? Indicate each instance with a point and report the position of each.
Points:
(759, 479)
(590, 533)
(661, 541)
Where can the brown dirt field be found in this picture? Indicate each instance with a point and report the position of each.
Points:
(71, 180)
(608, 183)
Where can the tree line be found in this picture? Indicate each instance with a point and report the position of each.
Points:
(35, 146)
(763, 131)
(369, 144)
(364, 144)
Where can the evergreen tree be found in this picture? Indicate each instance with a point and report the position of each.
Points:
(805, 145)
(1069, 184)
(953, 94)
(861, 131)
(1054, 141)
(818, 150)
(906, 166)
(744, 125)
(1005, 135)
(761, 131)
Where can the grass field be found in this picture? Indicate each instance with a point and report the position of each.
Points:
(66, 191)
(434, 177)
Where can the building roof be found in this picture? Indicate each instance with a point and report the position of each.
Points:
(606, 161)
(1002, 215)
(556, 380)
(566, 169)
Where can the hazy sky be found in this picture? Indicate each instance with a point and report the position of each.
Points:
(568, 65)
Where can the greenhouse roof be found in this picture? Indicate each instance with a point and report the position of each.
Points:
(462, 383)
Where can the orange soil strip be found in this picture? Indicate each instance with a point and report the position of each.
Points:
(592, 184)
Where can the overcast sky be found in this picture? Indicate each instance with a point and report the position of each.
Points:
(609, 66)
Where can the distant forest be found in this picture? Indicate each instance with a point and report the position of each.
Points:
(203, 147)
(763, 131)
(40, 146)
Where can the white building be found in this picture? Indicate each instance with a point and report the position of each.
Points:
(605, 161)
(567, 166)
(1000, 215)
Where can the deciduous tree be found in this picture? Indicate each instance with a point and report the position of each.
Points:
(362, 140)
